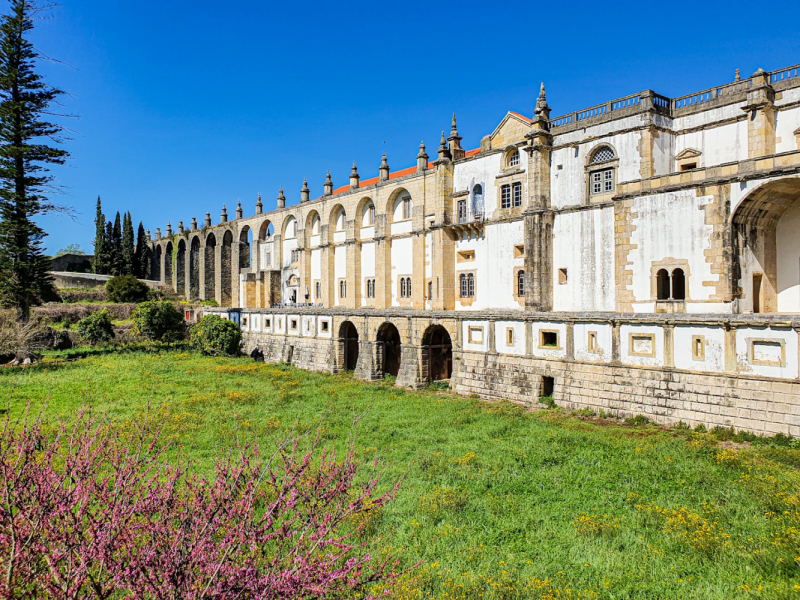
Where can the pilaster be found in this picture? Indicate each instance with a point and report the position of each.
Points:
(760, 109)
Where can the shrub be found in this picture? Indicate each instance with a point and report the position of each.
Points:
(159, 321)
(72, 313)
(216, 336)
(81, 295)
(637, 421)
(126, 288)
(96, 328)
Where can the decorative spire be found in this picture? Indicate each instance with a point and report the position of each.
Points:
(542, 109)
(158, 233)
(444, 151)
(453, 128)
(223, 218)
(737, 77)
(456, 151)
(194, 224)
(328, 187)
(305, 193)
(147, 235)
(239, 210)
(169, 228)
(259, 205)
(384, 169)
(422, 158)
(180, 227)
(208, 220)
(281, 199)
(354, 177)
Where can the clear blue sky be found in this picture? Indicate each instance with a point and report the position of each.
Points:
(184, 106)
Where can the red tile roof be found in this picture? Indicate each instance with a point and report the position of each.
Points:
(526, 119)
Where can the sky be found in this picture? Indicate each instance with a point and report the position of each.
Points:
(177, 108)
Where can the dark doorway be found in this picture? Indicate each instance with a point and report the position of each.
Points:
(548, 387)
(436, 343)
(348, 335)
(390, 338)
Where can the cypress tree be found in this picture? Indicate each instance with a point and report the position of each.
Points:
(100, 258)
(142, 253)
(24, 160)
(108, 244)
(128, 247)
(116, 240)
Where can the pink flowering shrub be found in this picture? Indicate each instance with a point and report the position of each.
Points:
(86, 514)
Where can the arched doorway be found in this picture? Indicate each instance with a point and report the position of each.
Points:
(194, 268)
(389, 338)
(767, 248)
(437, 353)
(211, 266)
(180, 268)
(225, 268)
(156, 268)
(168, 266)
(348, 336)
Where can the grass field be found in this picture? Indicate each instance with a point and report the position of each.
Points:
(496, 502)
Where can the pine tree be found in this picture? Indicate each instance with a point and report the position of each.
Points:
(24, 160)
(116, 241)
(142, 253)
(128, 247)
(100, 258)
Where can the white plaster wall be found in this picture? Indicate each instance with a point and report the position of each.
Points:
(722, 144)
(671, 225)
(599, 130)
(288, 246)
(324, 334)
(706, 117)
(279, 324)
(365, 216)
(494, 265)
(482, 171)
(367, 233)
(264, 249)
(663, 153)
(501, 338)
(788, 97)
(339, 237)
(255, 322)
(583, 243)
(399, 228)
(714, 359)
(316, 240)
(788, 249)
(786, 121)
(244, 321)
(561, 351)
(641, 361)
(309, 327)
(483, 345)
(581, 342)
(316, 267)
(402, 263)
(339, 272)
(267, 323)
(367, 268)
(788, 336)
(291, 330)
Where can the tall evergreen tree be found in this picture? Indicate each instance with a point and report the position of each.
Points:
(142, 253)
(109, 248)
(116, 240)
(24, 158)
(100, 258)
(129, 265)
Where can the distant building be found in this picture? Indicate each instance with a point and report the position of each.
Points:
(73, 263)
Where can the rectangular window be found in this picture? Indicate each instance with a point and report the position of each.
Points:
(698, 347)
(371, 215)
(325, 326)
(517, 194)
(475, 335)
(268, 259)
(295, 255)
(342, 289)
(601, 182)
(548, 339)
(643, 344)
(370, 288)
(591, 343)
(462, 211)
(519, 251)
(293, 325)
(562, 276)
(430, 290)
(768, 353)
(318, 289)
(267, 323)
(505, 196)
(407, 208)
(510, 336)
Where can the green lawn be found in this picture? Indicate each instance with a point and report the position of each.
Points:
(496, 502)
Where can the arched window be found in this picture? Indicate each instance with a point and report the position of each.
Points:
(662, 285)
(318, 289)
(678, 285)
(430, 290)
(408, 287)
(477, 193)
(342, 289)
(601, 180)
(402, 287)
(521, 284)
(513, 159)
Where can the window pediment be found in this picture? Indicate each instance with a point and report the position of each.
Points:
(688, 153)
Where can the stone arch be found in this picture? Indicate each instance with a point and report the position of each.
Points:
(210, 252)
(194, 268)
(156, 268)
(169, 265)
(392, 201)
(335, 223)
(226, 256)
(245, 239)
(180, 268)
(313, 226)
(289, 227)
(766, 249)
(508, 154)
(388, 336)
(348, 338)
(437, 354)
(266, 230)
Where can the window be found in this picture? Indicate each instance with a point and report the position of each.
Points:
(325, 326)
(318, 290)
(688, 166)
(517, 193)
(267, 323)
(244, 321)
(430, 290)
(405, 287)
(406, 208)
(370, 288)
(602, 181)
(521, 284)
(548, 339)
(295, 256)
(268, 259)
(513, 159)
(591, 343)
(671, 286)
(466, 255)
(467, 285)
(505, 196)
(293, 325)
(519, 251)
(408, 286)
(562, 276)
(475, 335)
(678, 285)
(698, 347)
(342, 289)
(371, 214)
(477, 193)
(510, 336)
(602, 154)
(462, 211)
